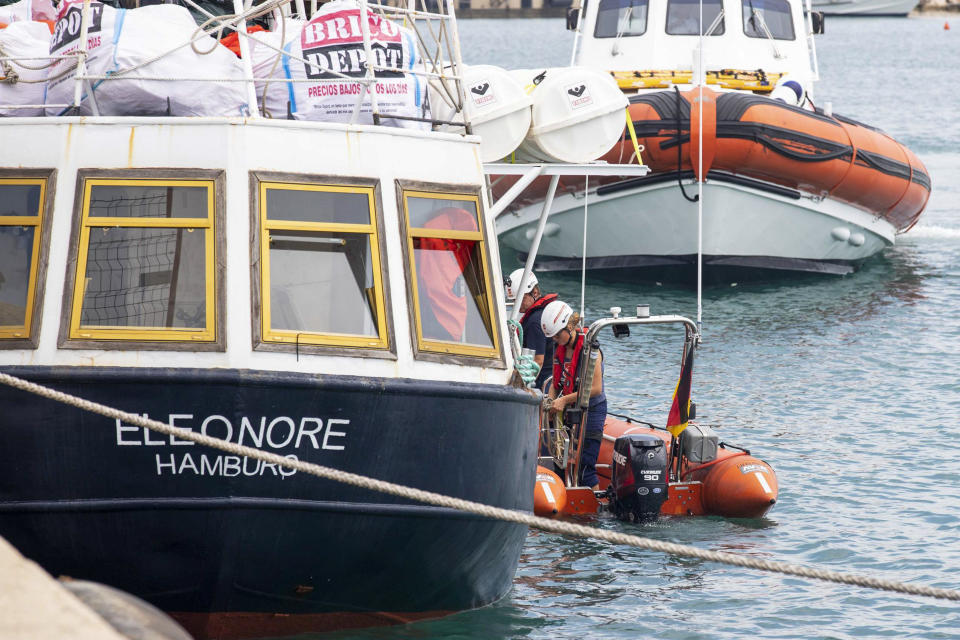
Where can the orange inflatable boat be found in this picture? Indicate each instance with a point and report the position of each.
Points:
(758, 138)
(723, 481)
(732, 483)
(644, 471)
(762, 143)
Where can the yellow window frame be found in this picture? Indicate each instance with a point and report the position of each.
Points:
(145, 334)
(286, 336)
(19, 332)
(443, 346)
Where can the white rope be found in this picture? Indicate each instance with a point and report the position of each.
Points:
(508, 515)
(583, 266)
(167, 79)
(36, 106)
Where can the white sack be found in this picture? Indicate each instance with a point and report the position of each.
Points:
(123, 38)
(16, 12)
(24, 40)
(27, 10)
(332, 40)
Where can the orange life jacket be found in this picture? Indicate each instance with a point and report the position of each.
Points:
(566, 375)
(441, 264)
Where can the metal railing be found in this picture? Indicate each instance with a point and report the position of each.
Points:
(437, 44)
(574, 445)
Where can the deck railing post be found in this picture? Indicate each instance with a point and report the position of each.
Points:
(81, 70)
(371, 76)
(458, 65)
(246, 61)
(535, 245)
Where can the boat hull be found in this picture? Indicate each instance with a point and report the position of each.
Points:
(650, 231)
(877, 8)
(233, 548)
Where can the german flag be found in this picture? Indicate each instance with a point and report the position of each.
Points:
(680, 409)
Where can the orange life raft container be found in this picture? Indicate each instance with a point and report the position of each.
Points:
(734, 484)
(756, 137)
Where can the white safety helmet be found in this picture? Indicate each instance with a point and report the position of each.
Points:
(513, 283)
(555, 317)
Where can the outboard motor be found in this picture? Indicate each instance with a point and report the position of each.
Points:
(639, 484)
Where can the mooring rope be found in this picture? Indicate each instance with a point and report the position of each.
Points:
(508, 515)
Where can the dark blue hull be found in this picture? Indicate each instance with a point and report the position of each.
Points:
(682, 269)
(225, 544)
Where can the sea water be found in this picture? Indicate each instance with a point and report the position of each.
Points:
(848, 386)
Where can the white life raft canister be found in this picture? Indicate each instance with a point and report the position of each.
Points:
(578, 114)
(496, 105)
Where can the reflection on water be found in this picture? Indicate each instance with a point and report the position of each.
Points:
(896, 275)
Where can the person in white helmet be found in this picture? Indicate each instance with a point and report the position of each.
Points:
(561, 323)
(532, 303)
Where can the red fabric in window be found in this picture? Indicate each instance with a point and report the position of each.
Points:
(441, 266)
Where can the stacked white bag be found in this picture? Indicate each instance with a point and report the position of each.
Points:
(28, 43)
(332, 41)
(121, 39)
(27, 10)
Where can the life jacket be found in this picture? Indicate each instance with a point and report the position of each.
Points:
(569, 375)
(566, 375)
(540, 303)
(440, 269)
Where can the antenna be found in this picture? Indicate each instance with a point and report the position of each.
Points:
(576, 34)
(700, 75)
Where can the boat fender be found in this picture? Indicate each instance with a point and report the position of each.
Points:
(638, 487)
(739, 486)
(549, 494)
(132, 617)
(588, 372)
(703, 132)
(788, 90)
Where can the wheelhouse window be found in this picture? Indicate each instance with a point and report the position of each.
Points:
(768, 19)
(320, 262)
(145, 261)
(683, 17)
(453, 302)
(22, 205)
(621, 18)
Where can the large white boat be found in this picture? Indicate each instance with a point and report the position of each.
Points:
(787, 185)
(324, 291)
(889, 8)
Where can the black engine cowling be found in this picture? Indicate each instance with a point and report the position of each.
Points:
(639, 484)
